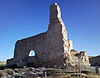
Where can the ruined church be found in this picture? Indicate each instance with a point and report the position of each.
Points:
(52, 48)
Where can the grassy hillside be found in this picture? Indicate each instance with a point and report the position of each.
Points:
(95, 60)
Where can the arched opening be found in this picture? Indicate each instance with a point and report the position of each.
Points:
(32, 53)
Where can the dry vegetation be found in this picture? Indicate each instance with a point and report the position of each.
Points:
(95, 76)
(2, 62)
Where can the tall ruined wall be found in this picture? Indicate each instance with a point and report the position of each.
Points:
(57, 36)
(51, 48)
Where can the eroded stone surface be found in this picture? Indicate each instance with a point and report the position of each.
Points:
(84, 58)
(51, 48)
(80, 58)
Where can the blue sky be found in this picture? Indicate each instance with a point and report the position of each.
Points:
(23, 18)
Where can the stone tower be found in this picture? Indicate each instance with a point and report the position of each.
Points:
(57, 37)
(51, 48)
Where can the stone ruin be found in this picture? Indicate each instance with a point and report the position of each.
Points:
(81, 57)
(52, 48)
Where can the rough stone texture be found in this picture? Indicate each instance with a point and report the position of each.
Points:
(80, 58)
(70, 44)
(83, 57)
(52, 48)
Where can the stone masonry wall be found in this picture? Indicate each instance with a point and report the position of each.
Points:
(51, 48)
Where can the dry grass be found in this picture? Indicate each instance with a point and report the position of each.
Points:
(2, 62)
(95, 76)
(6, 72)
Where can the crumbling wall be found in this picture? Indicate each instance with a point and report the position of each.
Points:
(84, 58)
(24, 46)
(51, 48)
(80, 58)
